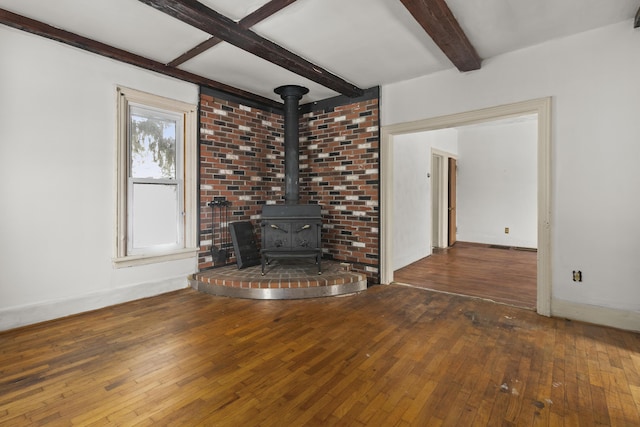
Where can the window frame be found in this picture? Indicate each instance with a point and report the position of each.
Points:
(187, 189)
(177, 181)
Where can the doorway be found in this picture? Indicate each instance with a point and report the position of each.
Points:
(497, 188)
(539, 107)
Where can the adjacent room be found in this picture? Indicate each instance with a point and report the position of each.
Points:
(319, 212)
(474, 202)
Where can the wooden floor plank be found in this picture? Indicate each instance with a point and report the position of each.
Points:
(501, 274)
(391, 355)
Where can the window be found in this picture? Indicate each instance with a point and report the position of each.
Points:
(156, 174)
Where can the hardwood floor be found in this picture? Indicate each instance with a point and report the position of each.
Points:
(389, 356)
(501, 275)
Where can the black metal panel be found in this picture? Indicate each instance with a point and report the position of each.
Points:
(291, 211)
(274, 107)
(340, 100)
(245, 244)
(276, 234)
(305, 234)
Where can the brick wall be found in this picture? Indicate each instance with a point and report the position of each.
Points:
(241, 159)
(340, 171)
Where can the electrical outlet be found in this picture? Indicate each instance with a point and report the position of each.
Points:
(506, 230)
(577, 276)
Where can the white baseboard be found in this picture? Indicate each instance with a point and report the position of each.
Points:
(621, 319)
(15, 317)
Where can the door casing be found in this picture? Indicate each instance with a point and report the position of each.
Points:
(542, 108)
(452, 202)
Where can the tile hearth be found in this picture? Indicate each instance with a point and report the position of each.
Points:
(283, 279)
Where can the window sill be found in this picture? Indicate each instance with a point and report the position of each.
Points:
(134, 260)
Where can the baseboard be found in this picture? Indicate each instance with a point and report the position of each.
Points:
(621, 319)
(15, 317)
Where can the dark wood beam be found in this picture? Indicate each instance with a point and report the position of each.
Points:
(195, 51)
(198, 15)
(40, 28)
(438, 21)
(247, 22)
(264, 12)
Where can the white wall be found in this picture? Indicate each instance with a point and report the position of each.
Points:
(412, 192)
(497, 183)
(57, 151)
(593, 79)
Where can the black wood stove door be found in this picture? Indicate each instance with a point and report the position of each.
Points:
(305, 235)
(277, 235)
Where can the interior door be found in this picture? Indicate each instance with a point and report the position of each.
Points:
(452, 200)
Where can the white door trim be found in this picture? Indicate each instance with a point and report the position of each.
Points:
(541, 107)
(437, 217)
(439, 198)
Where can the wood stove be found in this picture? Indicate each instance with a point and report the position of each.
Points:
(291, 230)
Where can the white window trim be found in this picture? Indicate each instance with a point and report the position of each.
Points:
(190, 167)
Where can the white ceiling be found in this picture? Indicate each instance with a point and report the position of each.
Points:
(366, 42)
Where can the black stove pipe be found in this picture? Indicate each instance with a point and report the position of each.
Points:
(291, 94)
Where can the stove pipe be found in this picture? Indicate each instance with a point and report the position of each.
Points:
(291, 94)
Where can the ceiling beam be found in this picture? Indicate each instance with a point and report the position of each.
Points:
(247, 22)
(262, 13)
(198, 15)
(636, 21)
(438, 21)
(40, 28)
(195, 51)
